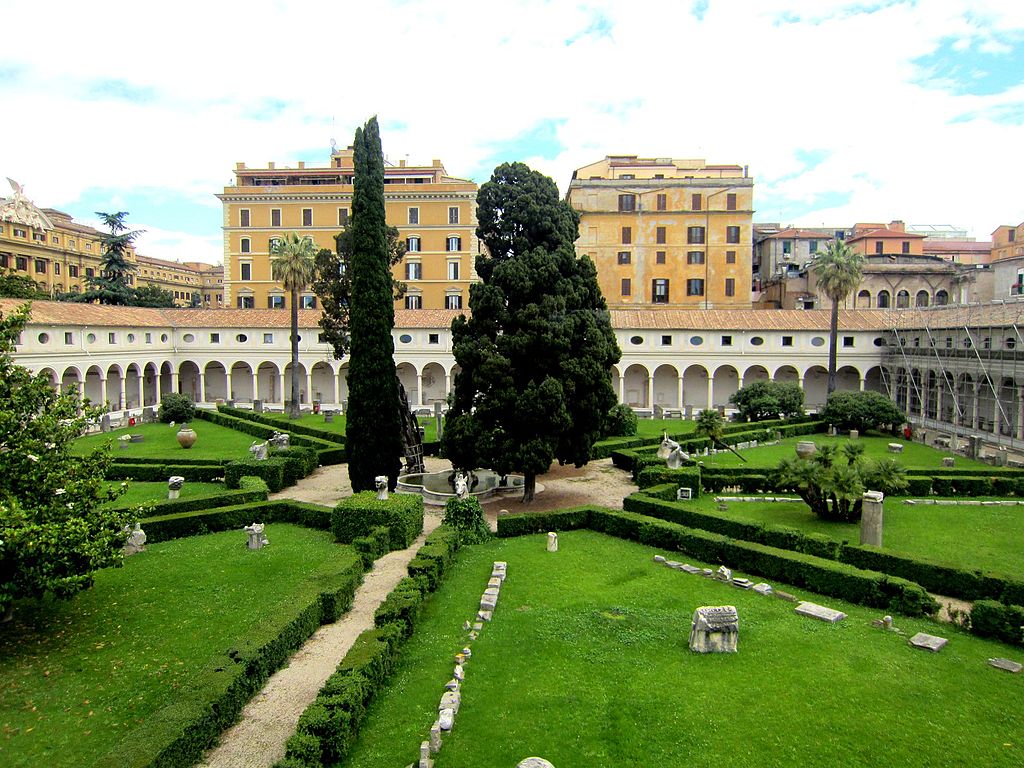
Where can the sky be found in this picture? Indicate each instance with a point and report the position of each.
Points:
(844, 111)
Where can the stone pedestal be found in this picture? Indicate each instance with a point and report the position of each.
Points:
(871, 518)
(552, 542)
(714, 629)
(854, 434)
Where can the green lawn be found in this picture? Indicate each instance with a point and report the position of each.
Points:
(654, 427)
(76, 677)
(914, 454)
(970, 537)
(213, 442)
(338, 425)
(586, 663)
(144, 493)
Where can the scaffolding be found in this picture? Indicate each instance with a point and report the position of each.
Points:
(959, 370)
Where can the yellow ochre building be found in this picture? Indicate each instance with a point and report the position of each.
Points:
(435, 214)
(665, 232)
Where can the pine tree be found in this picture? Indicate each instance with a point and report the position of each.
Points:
(535, 355)
(113, 283)
(373, 426)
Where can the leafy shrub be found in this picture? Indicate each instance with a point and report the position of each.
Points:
(467, 517)
(357, 515)
(861, 411)
(620, 421)
(763, 400)
(177, 408)
(1003, 622)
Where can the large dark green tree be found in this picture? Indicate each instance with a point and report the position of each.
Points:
(113, 284)
(333, 285)
(374, 422)
(55, 530)
(534, 356)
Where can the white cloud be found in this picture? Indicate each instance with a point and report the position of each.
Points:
(752, 83)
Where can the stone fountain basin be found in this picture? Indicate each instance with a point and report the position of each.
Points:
(437, 487)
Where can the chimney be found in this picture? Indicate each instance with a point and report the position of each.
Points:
(897, 226)
(270, 166)
(239, 166)
(436, 162)
(302, 164)
(401, 163)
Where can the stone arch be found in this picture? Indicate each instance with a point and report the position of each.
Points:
(407, 375)
(72, 379)
(786, 373)
(931, 394)
(51, 376)
(755, 373)
(343, 385)
(695, 387)
(864, 299)
(269, 388)
(922, 298)
(903, 299)
(112, 393)
(725, 383)
(941, 297)
(303, 383)
(666, 386)
(966, 396)
(150, 385)
(94, 386)
(133, 386)
(815, 386)
(434, 383)
(1010, 402)
(636, 379)
(241, 382)
(215, 382)
(884, 299)
(324, 389)
(873, 380)
(847, 379)
(189, 382)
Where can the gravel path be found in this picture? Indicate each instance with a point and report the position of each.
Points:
(268, 721)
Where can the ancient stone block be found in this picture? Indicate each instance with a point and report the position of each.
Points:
(714, 629)
(820, 612)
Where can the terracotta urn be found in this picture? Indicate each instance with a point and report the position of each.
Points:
(186, 437)
(806, 448)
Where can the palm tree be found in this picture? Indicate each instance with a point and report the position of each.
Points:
(292, 262)
(839, 271)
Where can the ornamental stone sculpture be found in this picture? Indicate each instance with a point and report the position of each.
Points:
(381, 481)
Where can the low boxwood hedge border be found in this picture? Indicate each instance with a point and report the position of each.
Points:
(826, 577)
(357, 515)
(155, 473)
(283, 426)
(253, 490)
(197, 716)
(329, 726)
(329, 452)
(182, 524)
(939, 578)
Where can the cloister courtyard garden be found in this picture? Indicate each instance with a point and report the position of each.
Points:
(585, 658)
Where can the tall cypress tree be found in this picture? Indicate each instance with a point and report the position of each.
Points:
(536, 352)
(373, 427)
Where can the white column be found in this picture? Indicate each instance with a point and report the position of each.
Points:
(201, 378)
(679, 388)
(103, 389)
(974, 414)
(419, 388)
(622, 388)
(175, 380)
(711, 392)
(862, 384)
(650, 391)
(309, 388)
(229, 395)
(447, 385)
(124, 394)
(280, 387)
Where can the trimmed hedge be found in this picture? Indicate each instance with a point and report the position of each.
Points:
(183, 460)
(271, 470)
(179, 525)
(329, 726)
(817, 574)
(155, 473)
(357, 515)
(197, 716)
(328, 450)
(374, 545)
(435, 557)
(253, 490)
(935, 577)
(283, 426)
(1002, 622)
(683, 477)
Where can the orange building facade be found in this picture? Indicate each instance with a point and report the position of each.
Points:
(435, 215)
(665, 232)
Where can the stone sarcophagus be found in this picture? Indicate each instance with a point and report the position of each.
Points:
(714, 629)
